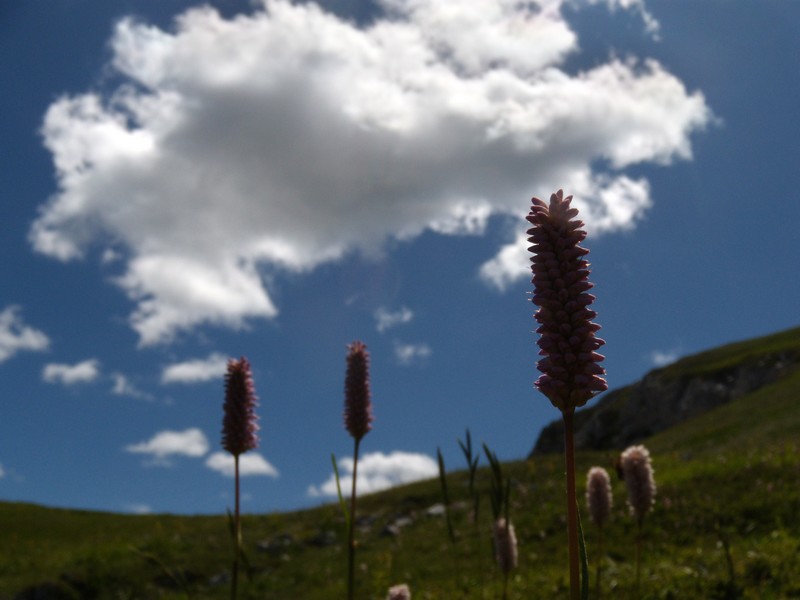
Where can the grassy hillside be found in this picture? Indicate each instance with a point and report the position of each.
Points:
(726, 525)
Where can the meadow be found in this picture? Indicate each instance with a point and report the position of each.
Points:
(724, 525)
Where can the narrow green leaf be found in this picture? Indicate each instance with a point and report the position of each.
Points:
(443, 482)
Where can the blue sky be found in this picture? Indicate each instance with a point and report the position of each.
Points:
(184, 184)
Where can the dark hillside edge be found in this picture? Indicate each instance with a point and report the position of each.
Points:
(678, 392)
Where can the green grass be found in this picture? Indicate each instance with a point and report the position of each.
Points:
(726, 525)
(735, 354)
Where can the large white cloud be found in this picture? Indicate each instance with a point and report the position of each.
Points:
(378, 471)
(16, 336)
(290, 137)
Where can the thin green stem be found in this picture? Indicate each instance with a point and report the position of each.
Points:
(237, 532)
(572, 507)
(638, 554)
(599, 561)
(351, 542)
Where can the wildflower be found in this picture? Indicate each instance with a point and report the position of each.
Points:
(239, 434)
(638, 473)
(571, 374)
(598, 495)
(399, 592)
(599, 499)
(505, 545)
(357, 421)
(358, 407)
(240, 423)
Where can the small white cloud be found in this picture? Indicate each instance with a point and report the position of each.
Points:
(407, 354)
(378, 471)
(15, 336)
(191, 442)
(386, 319)
(651, 24)
(250, 463)
(82, 372)
(196, 370)
(2, 472)
(661, 358)
(124, 387)
(138, 509)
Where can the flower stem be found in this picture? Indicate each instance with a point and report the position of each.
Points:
(237, 533)
(638, 553)
(351, 542)
(572, 507)
(599, 561)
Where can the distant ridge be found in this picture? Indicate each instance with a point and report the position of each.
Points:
(678, 392)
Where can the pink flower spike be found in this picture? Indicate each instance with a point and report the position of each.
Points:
(638, 473)
(357, 404)
(570, 368)
(399, 592)
(240, 423)
(598, 495)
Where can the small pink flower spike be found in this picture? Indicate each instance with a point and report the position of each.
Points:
(399, 592)
(638, 473)
(357, 404)
(240, 423)
(505, 545)
(598, 495)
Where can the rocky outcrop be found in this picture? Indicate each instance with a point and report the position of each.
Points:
(663, 398)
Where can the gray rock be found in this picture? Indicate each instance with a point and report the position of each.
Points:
(663, 398)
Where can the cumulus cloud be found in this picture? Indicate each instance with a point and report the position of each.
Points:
(406, 354)
(82, 372)
(617, 206)
(386, 319)
(16, 336)
(378, 471)
(290, 138)
(2, 472)
(250, 463)
(166, 444)
(197, 370)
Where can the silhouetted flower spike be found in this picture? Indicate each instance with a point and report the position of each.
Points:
(598, 495)
(638, 473)
(240, 423)
(357, 403)
(505, 545)
(571, 373)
